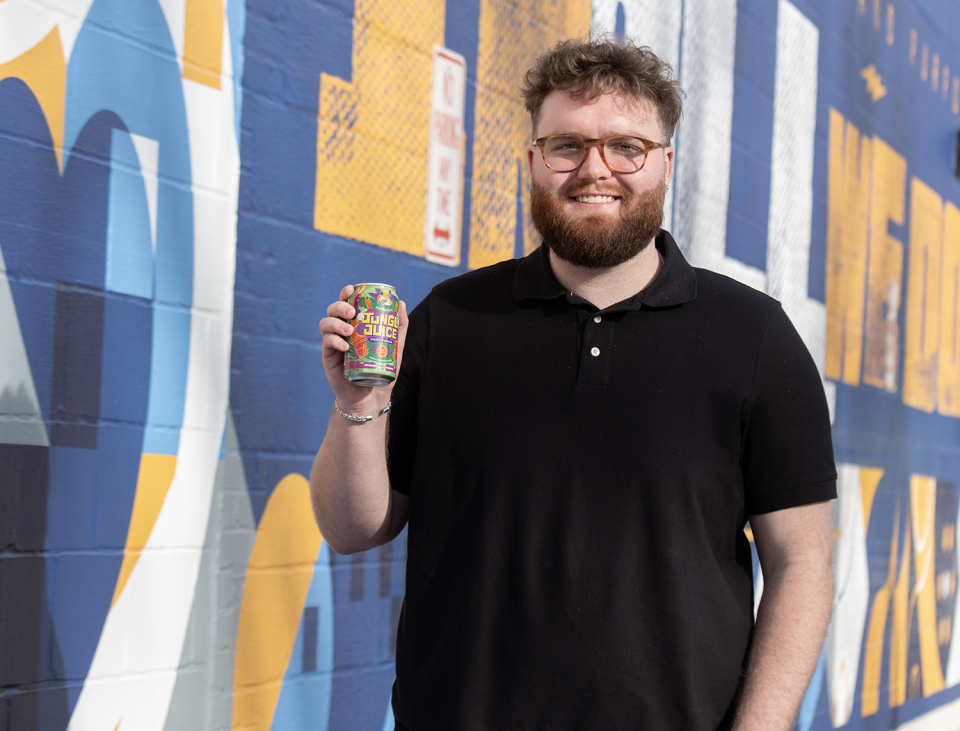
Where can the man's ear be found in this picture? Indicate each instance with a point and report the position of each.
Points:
(668, 153)
(530, 153)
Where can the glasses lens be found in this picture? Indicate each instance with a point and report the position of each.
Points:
(563, 153)
(624, 154)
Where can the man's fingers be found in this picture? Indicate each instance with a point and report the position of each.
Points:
(336, 325)
(342, 310)
(335, 342)
(346, 292)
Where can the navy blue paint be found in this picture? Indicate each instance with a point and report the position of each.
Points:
(77, 353)
(310, 622)
(620, 27)
(752, 134)
(23, 503)
(462, 34)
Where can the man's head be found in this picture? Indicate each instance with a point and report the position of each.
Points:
(592, 216)
(595, 67)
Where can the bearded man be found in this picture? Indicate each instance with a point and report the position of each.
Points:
(577, 440)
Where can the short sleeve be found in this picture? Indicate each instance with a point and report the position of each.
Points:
(788, 447)
(403, 424)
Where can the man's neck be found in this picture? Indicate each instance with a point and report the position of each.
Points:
(604, 287)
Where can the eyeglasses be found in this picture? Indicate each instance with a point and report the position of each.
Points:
(566, 153)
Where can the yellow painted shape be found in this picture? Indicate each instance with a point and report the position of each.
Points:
(873, 657)
(512, 35)
(373, 131)
(153, 482)
(203, 42)
(885, 268)
(44, 70)
(869, 481)
(922, 337)
(278, 579)
(923, 500)
(949, 361)
(848, 194)
(875, 87)
(900, 631)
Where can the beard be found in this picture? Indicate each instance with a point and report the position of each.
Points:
(595, 241)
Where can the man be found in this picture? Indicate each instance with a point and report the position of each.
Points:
(576, 441)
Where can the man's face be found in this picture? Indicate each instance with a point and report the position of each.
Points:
(593, 217)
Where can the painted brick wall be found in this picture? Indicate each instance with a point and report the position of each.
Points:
(185, 185)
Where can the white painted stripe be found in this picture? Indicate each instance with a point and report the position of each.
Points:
(175, 11)
(953, 659)
(944, 718)
(653, 23)
(851, 572)
(24, 23)
(791, 181)
(148, 154)
(21, 420)
(135, 666)
(704, 139)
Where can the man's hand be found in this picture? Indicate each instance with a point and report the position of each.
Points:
(336, 331)
(795, 548)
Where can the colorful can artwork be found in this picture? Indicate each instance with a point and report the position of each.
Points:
(372, 358)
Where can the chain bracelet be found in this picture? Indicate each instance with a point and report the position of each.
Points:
(359, 419)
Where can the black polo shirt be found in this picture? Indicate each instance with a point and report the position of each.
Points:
(579, 480)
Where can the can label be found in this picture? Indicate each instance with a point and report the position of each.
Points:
(372, 358)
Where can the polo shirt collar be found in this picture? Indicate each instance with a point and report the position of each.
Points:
(675, 284)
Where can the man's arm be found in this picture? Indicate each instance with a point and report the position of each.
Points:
(352, 501)
(795, 548)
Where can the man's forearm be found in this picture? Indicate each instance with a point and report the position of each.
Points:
(791, 624)
(350, 488)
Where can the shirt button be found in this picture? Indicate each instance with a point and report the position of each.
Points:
(594, 351)
(597, 318)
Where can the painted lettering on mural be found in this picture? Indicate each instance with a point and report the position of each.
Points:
(867, 191)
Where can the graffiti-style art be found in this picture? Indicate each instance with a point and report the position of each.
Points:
(184, 185)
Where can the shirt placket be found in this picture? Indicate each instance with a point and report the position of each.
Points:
(596, 348)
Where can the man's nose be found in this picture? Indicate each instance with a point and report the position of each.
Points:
(593, 167)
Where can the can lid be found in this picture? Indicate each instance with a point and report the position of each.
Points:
(373, 284)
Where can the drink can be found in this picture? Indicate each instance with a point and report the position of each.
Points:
(372, 358)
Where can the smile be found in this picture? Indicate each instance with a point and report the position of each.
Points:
(595, 198)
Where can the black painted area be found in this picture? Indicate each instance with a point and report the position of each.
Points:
(311, 617)
(386, 570)
(356, 577)
(396, 604)
(23, 510)
(77, 358)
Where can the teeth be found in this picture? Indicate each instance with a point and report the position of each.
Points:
(595, 198)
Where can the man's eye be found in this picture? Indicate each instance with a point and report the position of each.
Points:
(565, 145)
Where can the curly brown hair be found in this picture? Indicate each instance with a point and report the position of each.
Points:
(604, 65)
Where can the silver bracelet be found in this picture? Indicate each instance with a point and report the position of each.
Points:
(359, 419)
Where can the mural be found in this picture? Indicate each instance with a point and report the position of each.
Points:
(184, 184)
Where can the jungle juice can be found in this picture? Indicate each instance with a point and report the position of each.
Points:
(372, 357)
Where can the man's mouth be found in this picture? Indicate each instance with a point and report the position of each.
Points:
(594, 198)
